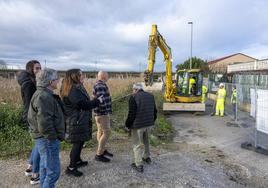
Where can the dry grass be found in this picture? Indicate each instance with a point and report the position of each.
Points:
(10, 89)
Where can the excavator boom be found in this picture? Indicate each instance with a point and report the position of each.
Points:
(157, 40)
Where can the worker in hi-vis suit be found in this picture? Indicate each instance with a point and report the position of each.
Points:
(204, 93)
(221, 94)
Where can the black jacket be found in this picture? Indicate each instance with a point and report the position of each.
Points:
(28, 87)
(78, 113)
(142, 110)
(45, 115)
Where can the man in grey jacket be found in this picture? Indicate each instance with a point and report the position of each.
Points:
(141, 117)
(46, 120)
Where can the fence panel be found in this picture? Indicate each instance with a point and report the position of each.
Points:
(261, 119)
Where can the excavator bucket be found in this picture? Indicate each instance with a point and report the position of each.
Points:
(148, 78)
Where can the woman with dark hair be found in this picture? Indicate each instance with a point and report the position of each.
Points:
(78, 114)
(26, 80)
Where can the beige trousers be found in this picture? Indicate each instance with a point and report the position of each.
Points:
(104, 131)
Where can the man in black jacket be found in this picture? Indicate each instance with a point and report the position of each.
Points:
(141, 117)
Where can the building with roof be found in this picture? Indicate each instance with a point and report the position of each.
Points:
(220, 65)
(258, 66)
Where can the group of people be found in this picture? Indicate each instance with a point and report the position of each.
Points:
(53, 118)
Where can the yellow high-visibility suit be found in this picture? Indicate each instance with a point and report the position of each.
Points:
(191, 83)
(233, 97)
(221, 94)
(204, 92)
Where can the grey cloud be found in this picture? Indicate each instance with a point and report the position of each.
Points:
(77, 33)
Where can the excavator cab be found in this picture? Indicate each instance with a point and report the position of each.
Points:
(189, 82)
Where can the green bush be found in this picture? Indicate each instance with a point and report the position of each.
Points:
(10, 115)
(14, 138)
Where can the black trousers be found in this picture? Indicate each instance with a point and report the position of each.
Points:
(75, 154)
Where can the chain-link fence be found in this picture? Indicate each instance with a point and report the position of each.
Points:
(247, 105)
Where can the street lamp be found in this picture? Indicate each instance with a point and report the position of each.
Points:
(191, 23)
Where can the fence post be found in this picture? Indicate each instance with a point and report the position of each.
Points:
(236, 103)
(256, 109)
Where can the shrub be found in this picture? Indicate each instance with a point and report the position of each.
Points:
(10, 115)
(14, 138)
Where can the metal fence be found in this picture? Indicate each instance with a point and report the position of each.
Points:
(250, 109)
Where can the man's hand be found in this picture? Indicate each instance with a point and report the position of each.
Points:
(127, 130)
(101, 99)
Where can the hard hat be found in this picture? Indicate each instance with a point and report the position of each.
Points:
(221, 85)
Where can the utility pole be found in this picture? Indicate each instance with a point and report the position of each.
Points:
(191, 57)
(45, 63)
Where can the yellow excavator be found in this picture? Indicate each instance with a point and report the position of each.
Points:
(184, 93)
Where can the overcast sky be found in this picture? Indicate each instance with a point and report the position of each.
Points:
(113, 34)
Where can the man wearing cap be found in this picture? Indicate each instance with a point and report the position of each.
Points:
(141, 117)
(221, 94)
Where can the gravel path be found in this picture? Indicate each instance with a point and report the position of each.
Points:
(199, 157)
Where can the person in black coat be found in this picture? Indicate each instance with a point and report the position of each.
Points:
(26, 80)
(78, 107)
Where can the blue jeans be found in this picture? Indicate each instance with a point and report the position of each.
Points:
(35, 159)
(49, 161)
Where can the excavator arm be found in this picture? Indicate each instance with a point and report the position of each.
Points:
(157, 40)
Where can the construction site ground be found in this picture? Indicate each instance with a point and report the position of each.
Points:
(205, 152)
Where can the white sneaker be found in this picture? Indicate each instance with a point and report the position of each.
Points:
(28, 172)
(35, 181)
